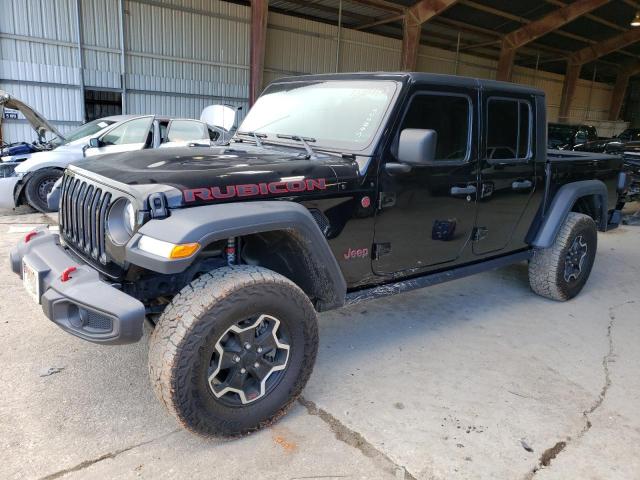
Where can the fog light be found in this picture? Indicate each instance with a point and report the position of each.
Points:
(164, 249)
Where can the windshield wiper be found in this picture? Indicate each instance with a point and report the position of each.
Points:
(256, 136)
(303, 140)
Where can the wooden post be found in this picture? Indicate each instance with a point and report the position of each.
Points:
(410, 44)
(259, 11)
(568, 90)
(619, 92)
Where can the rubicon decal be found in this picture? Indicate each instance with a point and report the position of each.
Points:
(253, 190)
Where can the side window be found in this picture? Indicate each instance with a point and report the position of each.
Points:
(185, 130)
(426, 112)
(508, 129)
(132, 131)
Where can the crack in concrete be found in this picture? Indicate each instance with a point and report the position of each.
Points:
(551, 453)
(106, 456)
(356, 440)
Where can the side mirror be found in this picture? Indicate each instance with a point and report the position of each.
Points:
(417, 146)
(95, 142)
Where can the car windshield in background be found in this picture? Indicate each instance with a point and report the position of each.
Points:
(86, 130)
(337, 114)
(563, 133)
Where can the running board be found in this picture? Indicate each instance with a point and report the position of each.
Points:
(430, 279)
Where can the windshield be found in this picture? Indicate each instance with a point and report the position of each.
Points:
(336, 114)
(86, 130)
(562, 133)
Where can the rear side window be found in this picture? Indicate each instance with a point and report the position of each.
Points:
(186, 130)
(508, 129)
(449, 116)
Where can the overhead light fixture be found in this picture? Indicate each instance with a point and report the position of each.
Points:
(636, 20)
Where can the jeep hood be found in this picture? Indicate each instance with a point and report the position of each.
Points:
(37, 121)
(254, 170)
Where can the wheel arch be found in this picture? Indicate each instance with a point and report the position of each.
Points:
(588, 197)
(19, 192)
(279, 235)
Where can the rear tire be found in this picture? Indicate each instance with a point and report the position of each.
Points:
(39, 186)
(561, 271)
(213, 330)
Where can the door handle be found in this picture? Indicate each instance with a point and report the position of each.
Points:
(461, 191)
(522, 185)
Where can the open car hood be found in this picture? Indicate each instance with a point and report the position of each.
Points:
(37, 121)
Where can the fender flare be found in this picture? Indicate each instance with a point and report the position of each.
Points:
(210, 223)
(561, 205)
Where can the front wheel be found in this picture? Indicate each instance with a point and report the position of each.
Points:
(39, 186)
(560, 271)
(233, 350)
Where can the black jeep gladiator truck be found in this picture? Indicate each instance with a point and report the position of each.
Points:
(335, 189)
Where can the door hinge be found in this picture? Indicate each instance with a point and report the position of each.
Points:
(381, 249)
(480, 233)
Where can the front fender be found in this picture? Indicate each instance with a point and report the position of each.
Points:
(562, 204)
(210, 223)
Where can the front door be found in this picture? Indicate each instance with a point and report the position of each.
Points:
(127, 136)
(426, 215)
(507, 176)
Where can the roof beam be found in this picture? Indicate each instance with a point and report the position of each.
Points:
(419, 13)
(591, 16)
(620, 89)
(382, 5)
(610, 45)
(536, 29)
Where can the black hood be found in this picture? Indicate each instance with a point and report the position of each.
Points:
(206, 175)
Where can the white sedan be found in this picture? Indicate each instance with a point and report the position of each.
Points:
(28, 179)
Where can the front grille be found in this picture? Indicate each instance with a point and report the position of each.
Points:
(7, 169)
(83, 216)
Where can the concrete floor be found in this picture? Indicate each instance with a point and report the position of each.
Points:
(478, 378)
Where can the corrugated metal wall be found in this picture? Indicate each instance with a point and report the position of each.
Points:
(181, 55)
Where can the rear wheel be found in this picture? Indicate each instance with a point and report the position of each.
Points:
(560, 271)
(233, 350)
(39, 186)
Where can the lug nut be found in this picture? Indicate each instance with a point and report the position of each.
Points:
(247, 346)
(236, 358)
(256, 365)
(243, 370)
(259, 349)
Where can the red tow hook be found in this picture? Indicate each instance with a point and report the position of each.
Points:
(66, 274)
(30, 235)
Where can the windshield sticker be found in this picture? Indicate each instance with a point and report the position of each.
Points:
(103, 124)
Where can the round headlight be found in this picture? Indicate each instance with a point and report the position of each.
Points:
(121, 221)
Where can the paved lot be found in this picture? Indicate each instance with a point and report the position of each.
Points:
(478, 378)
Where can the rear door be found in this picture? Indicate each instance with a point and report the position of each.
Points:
(507, 168)
(182, 132)
(426, 216)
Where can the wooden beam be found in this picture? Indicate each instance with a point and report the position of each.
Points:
(382, 5)
(591, 16)
(419, 13)
(259, 12)
(382, 21)
(571, 78)
(620, 89)
(600, 49)
(536, 29)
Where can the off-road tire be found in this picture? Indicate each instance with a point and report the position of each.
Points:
(547, 266)
(36, 187)
(184, 338)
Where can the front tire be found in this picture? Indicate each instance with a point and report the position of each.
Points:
(39, 186)
(233, 350)
(561, 271)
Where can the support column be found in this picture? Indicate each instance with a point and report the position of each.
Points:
(568, 90)
(410, 43)
(259, 11)
(619, 92)
(505, 62)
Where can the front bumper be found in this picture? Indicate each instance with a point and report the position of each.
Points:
(7, 190)
(84, 305)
